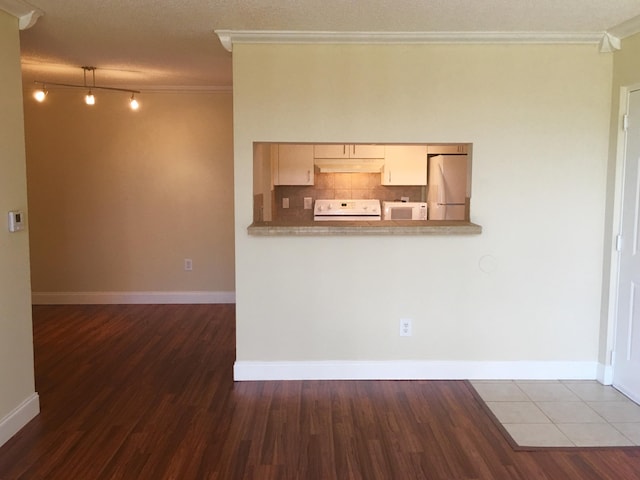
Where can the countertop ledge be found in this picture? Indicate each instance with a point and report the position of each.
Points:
(383, 227)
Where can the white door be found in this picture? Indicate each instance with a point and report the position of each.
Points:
(626, 367)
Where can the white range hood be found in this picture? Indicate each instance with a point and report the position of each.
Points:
(349, 165)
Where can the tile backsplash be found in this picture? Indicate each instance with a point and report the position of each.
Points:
(339, 185)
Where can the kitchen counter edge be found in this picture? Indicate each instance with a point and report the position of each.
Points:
(383, 227)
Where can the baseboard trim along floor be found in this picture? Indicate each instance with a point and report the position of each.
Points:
(19, 417)
(112, 298)
(413, 370)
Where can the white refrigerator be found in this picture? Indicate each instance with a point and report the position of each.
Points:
(447, 190)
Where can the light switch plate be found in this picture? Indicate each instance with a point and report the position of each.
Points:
(285, 202)
(16, 221)
(308, 203)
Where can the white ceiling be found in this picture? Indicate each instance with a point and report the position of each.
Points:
(162, 43)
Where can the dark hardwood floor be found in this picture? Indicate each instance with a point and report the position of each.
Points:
(146, 392)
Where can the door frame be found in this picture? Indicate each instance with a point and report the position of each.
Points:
(613, 227)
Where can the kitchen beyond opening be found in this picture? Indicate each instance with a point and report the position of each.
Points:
(305, 183)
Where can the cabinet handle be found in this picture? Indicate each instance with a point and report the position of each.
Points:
(308, 176)
(344, 149)
(354, 149)
(389, 176)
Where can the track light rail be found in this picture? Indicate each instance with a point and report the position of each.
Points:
(46, 84)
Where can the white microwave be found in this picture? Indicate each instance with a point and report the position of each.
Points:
(404, 211)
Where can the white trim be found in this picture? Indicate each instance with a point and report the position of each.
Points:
(414, 370)
(107, 298)
(609, 43)
(632, 395)
(26, 14)
(605, 374)
(610, 244)
(19, 417)
(230, 37)
(626, 28)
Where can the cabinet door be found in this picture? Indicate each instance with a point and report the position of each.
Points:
(346, 150)
(366, 151)
(338, 150)
(295, 165)
(405, 165)
(446, 149)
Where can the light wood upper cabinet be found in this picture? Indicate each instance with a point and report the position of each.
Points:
(405, 165)
(293, 164)
(346, 150)
(447, 149)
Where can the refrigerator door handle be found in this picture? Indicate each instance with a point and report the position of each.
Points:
(441, 187)
(450, 203)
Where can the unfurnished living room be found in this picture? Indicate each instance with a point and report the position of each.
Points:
(318, 240)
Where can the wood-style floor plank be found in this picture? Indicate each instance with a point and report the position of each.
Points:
(146, 392)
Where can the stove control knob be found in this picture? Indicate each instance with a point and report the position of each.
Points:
(329, 207)
(364, 207)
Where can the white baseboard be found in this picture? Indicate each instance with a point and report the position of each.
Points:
(19, 417)
(414, 370)
(107, 298)
(605, 374)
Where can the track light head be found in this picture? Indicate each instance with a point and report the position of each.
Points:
(40, 94)
(133, 103)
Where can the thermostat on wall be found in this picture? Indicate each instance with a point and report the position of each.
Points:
(16, 221)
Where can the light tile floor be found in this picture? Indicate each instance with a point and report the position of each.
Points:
(563, 413)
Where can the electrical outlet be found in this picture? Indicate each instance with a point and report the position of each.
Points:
(308, 203)
(285, 202)
(188, 264)
(405, 327)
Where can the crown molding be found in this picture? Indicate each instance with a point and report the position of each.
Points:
(609, 43)
(26, 14)
(230, 37)
(626, 29)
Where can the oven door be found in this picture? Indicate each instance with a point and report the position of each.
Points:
(346, 218)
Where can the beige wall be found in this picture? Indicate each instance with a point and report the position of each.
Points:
(538, 117)
(626, 73)
(16, 344)
(119, 199)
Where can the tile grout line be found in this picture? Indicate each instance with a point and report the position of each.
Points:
(575, 397)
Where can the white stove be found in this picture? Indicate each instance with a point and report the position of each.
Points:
(347, 210)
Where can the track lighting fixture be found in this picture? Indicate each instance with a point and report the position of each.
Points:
(90, 99)
(133, 103)
(40, 94)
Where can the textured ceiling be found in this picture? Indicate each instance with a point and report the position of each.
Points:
(146, 43)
